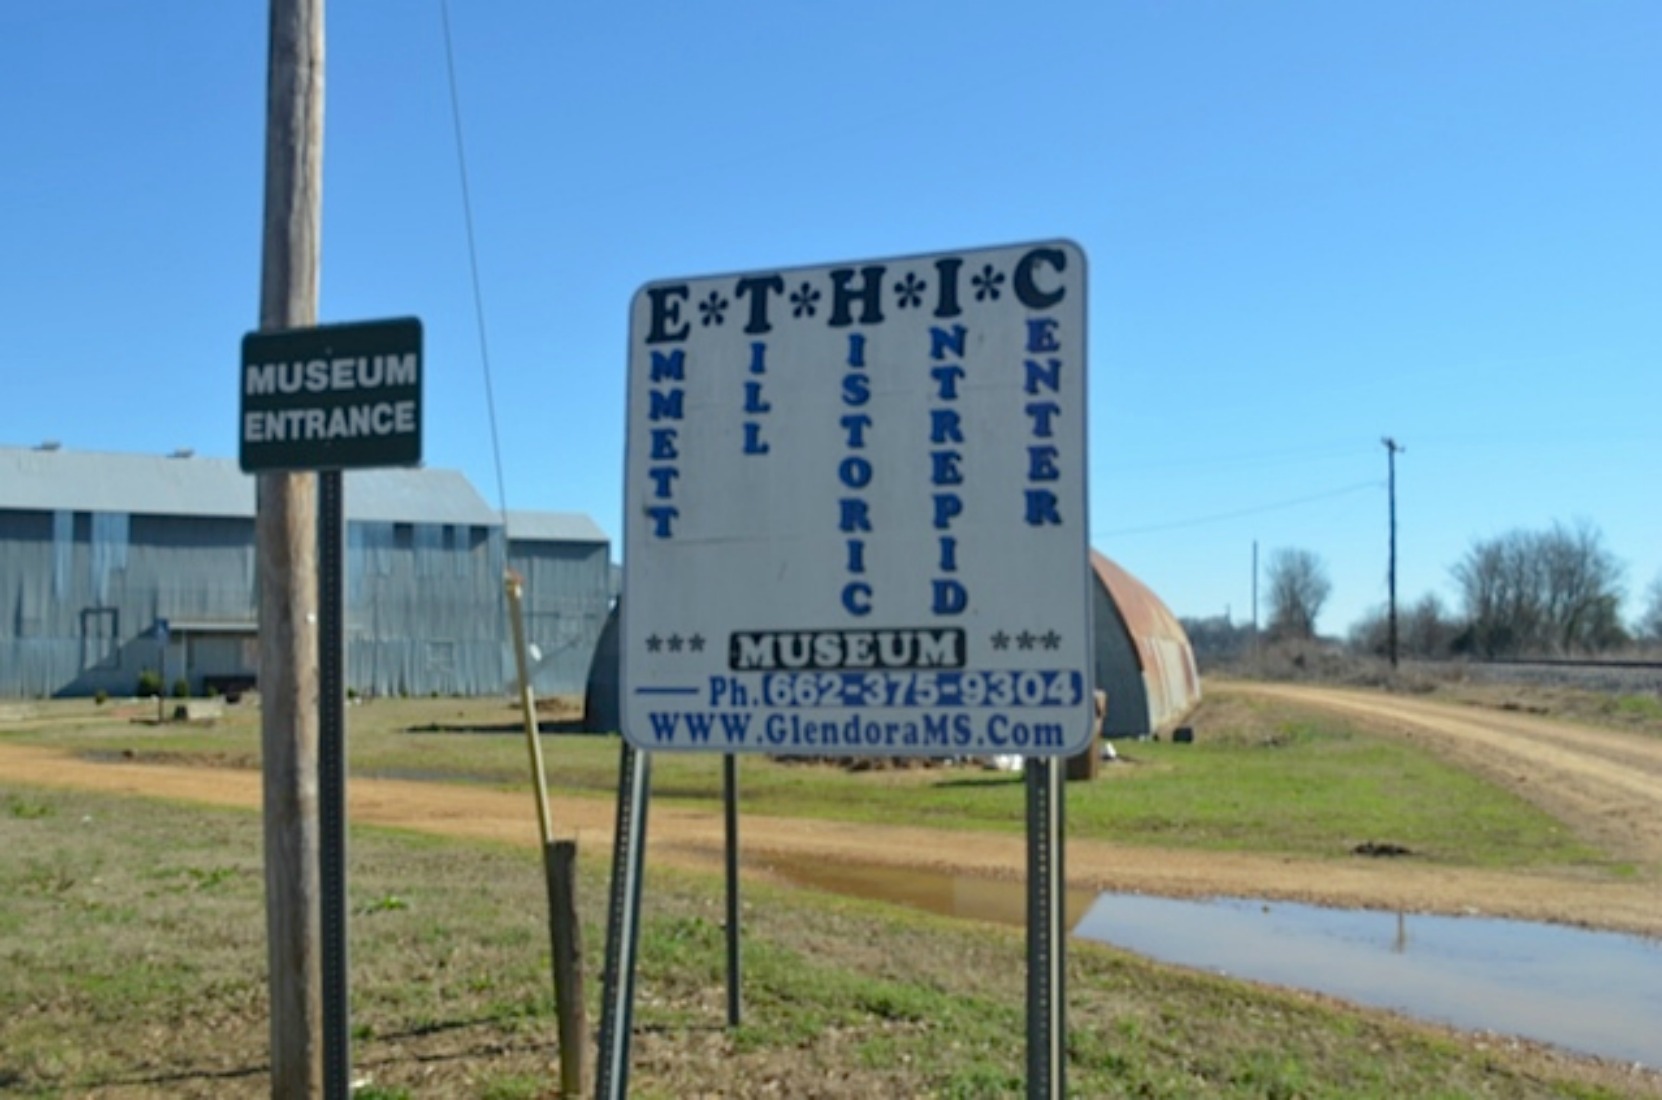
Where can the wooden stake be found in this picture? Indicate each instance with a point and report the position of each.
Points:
(285, 533)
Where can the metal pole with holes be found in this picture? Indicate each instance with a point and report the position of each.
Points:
(331, 787)
(1046, 995)
(623, 925)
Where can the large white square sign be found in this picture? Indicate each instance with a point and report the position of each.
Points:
(855, 518)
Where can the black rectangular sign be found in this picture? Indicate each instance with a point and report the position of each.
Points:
(332, 397)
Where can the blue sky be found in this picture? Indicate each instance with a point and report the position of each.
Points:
(1309, 225)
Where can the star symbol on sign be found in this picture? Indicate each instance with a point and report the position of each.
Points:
(711, 309)
(696, 643)
(1025, 639)
(1050, 640)
(987, 283)
(675, 643)
(909, 291)
(654, 643)
(1001, 640)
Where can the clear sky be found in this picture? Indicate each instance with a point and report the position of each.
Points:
(1309, 225)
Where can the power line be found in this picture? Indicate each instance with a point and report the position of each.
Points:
(473, 265)
(1240, 513)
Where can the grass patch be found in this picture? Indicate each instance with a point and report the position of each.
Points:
(1263, 776)
(165, 919)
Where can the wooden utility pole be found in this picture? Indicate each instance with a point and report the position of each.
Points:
(285, 533)
(1391, 449)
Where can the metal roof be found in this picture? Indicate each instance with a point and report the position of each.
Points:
(554, 527)
(89, 481)
(86, 481)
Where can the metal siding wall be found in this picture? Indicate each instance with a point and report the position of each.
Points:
(425, 608)
(140, 568)
(567, 598)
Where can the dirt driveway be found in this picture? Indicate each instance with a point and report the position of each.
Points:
(1607, 786)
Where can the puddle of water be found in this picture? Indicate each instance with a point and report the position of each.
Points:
(1598, 992)
(1595, 992)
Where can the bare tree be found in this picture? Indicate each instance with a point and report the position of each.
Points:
(1649, 626)
(1554, 591)
(1427, 631)
(1298, 586)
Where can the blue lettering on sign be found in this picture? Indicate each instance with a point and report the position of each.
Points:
(1041, 412)
(1041, 464)
(855, 471)
(844, 298)
(854, 515)
(663, 518)
(1041, 335)
(946, 379)
(754, 404)
(948, 506)
(944, 468)
(665, 406)
(943, 340)
(944, 426)
(1041, 508)
(856, 424)
(1048, 374)
(671, 366)
(661, 477)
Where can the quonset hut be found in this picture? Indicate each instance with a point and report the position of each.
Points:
(1143, 657)
(1143, 660)
(97, 551)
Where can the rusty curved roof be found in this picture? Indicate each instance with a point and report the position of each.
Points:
(1144, 614)
(1164, 656)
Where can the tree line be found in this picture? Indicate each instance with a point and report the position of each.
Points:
(1525, 593)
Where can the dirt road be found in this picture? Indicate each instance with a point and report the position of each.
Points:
(1607, 785)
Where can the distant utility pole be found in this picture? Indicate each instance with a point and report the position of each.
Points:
(1255, 595)
(285, 533)
(1391, 451)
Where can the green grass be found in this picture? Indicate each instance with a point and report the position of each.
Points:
(161, 908)
(1261, 777)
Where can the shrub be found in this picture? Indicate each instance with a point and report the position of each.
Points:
(149, 684)
(100, 697)
(181, 688)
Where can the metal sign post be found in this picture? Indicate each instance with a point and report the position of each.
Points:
(617, 1019)
(326, 398)
(331, 784)
(1046, 931)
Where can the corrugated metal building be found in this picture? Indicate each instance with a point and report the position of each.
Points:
(1143, 660)
(96, 549)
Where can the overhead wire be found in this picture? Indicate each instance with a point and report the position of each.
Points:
(1219, 517)
(473, 265)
